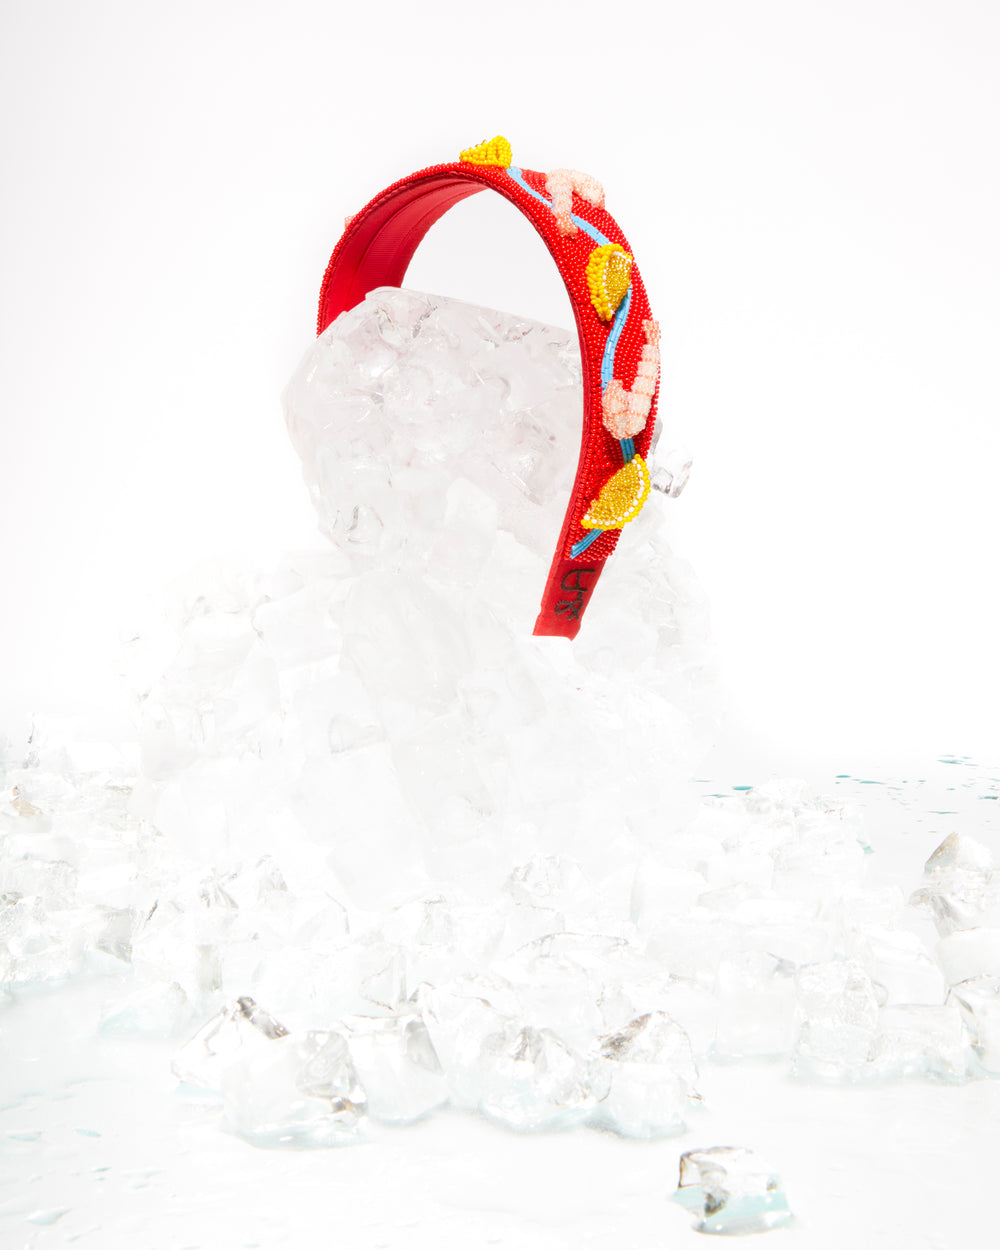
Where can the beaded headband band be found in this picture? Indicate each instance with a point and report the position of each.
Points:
(619, 340)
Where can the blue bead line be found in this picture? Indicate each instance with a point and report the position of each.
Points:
(608, 360)
(628, 449)
(611, 346)
(579, 548)
(593, 231)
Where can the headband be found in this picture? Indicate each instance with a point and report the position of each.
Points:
(619, 340)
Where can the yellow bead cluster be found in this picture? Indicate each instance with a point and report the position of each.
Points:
(608, 272)
(495, 151)
(621, 497)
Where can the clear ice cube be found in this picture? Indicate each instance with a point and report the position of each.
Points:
(459, 1018)
(732, 1191)
(649, 1076)
(921, 1041)
(203, 1059)
(962, 890)
(275, 1088)
(978, 999)
(532, 1080)
(398, 1066)
(294, 1091)
(838, 1014)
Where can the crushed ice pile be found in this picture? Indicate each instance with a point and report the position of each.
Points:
(378, 849)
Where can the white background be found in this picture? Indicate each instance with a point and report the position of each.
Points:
(811, 192)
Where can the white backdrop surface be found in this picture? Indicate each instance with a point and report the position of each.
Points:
(812, 194)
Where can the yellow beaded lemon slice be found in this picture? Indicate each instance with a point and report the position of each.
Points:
(621, 497)
(495, 151)
(608, 271)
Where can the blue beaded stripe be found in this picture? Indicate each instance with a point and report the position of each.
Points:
(579, 548)
(610, 347)
(593, 231)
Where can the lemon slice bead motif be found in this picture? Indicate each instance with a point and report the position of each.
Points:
(495, 151)
(621, 497)
(608, 271)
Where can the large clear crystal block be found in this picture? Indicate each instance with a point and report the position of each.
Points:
(732, 1191)
(979, 1002)
(650, 1076)
(532, 1080)
(838, 1014)
(921, 1041)
(397, 1065)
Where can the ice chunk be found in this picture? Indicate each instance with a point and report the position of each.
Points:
(897, 961)
(838, 1013)
(397, 1065)
(290, 1091)
(963, 891)
(158, 1009)
(179, 941)
(54, 882)
(560, 980)
(978, 999)
(671, 470)
(205, 1057)
(40, 945)
(969, 953)
(460, 1017)
(756, 993)
(532, 1080)
(275, 1088)
(650, 1075)
(553, 881)
(959, 851)
(921, 1041)
(732, 1191)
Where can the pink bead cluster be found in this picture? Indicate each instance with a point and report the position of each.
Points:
(625, 412)
(560, 184)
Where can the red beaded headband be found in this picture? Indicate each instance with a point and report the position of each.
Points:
(618, 337)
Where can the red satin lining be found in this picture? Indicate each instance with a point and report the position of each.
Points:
(379, 250)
